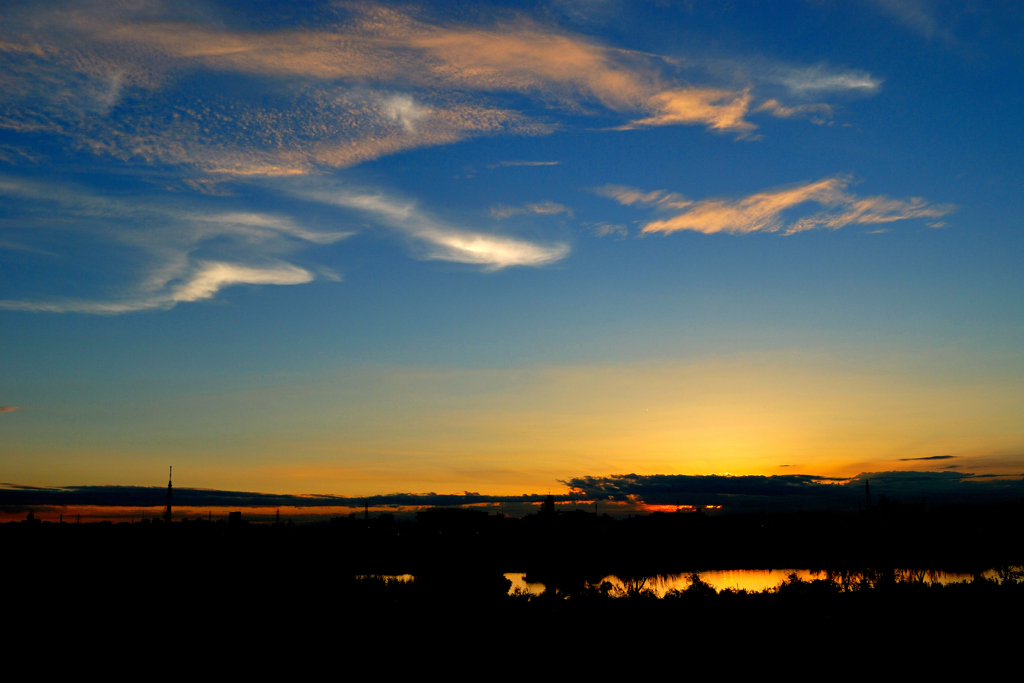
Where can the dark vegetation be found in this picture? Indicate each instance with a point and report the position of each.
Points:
(195, 571)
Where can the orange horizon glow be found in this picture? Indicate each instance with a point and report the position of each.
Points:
(509, 431)
(678, 508)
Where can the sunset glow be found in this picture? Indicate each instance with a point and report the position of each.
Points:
(371, 250)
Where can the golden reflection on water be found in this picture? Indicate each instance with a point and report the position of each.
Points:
(750, 580)
(401, 578)
(520, 584)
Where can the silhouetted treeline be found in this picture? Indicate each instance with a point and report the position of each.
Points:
(240, 575)
(960, 538)
(455, 544)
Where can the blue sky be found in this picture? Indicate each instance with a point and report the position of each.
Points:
(360, 248)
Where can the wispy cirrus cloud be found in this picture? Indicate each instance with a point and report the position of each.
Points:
(435, 239)
(790, 86)
(545, 208)
(609, 229)
(111, 81)
(147, 85)
(174, 254)
(629, 196)
(503, 164)
(168, 254)
(203, 281)
(820, 79)
(218, 104)
(719, 110)
(919, 16)
(819, 113)
(770, 211)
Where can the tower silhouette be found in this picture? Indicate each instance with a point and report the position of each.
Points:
(167, 513)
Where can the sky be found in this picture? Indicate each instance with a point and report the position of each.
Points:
(356, 249)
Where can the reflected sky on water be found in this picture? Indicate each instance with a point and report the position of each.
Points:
(403, 578)
(750, 580)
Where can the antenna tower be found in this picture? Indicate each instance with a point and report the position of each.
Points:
(170, 493)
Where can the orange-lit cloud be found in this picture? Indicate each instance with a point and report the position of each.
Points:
(376, 84)
(819, 112)
(574, 71)
(717, 109)
(766, 211)
(8, 409)
(629, 196)
(89, 62)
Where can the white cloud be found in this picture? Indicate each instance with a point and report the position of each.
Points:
(917, 15)
(437, 240)
(211, 276)
(204, 281)
(401, 108)
(163, 243)
(502, 164)
(821, 79)
(546, 208)
(260, 226)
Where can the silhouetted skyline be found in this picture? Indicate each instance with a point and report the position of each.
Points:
(616, 496)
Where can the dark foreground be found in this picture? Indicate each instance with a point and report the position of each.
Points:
(245, 582)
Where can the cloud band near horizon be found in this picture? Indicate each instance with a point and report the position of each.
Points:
(735, 493)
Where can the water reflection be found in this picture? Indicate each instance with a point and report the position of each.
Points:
(521, 586)
(754, 580)
(401, 578)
